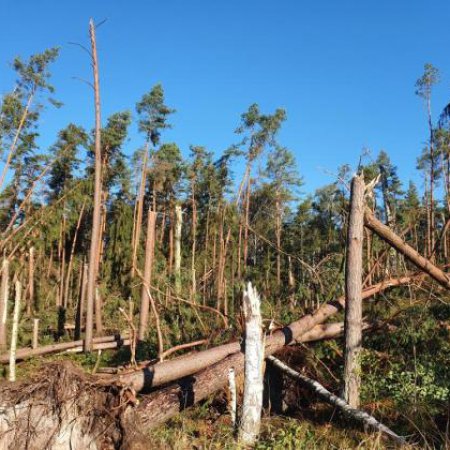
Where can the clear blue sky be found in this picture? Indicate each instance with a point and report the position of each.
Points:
(344, 70)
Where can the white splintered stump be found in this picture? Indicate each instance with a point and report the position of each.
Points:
(35, 342)
(233, 396)
(14, 333)
(4, 304)
(353, 293)
(253, 368)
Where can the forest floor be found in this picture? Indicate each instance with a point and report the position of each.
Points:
(406, 378)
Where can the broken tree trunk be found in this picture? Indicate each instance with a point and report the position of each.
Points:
(353, 288)
(334, 400)
(96, 215)
(253, 368)
(406, 250)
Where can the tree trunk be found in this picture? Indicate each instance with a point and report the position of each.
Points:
(139, 212)
(96, 216)
(15, 333)
(253, 368)
(35, 341)
(4, 304)
(177, 248)
(406, 250)
(81, 302)
(353, 288)
(194, 242)
(30, 303)
(72, 253)
(148, 268)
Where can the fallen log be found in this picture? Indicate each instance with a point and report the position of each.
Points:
(334, 400)
(160, 406)
(168, 371)
(100, 343)
(395, 241)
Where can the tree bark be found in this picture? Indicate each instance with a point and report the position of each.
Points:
(353, 288)
(139, 212)
(148, 268)
(177, 256)
(15, 333)
(96, 216)
(4, 304)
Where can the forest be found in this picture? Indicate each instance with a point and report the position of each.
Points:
(189, 298)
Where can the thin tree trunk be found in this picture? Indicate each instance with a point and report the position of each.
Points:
(353, 288)
(148, 268)
(35, 341)
(72, 253)
(98, 313)
(30, 303)
(4, 304)
(194, 242)
(246, 222)
(15, 333)
(139, 212)
(177, 256)
(81, 302)
(96, 216)
(278, 238)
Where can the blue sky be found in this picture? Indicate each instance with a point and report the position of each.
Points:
(344, 71)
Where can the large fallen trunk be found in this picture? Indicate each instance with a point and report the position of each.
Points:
(385, 233)
(168, 371)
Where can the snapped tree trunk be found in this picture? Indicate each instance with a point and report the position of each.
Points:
(96, 216)
(253, 368)
(353, 288)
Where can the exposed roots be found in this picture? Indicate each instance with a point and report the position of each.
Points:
(60, 408)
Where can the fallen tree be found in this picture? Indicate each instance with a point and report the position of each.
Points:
(70, 408)
(168, 371)
(334, 400)
(100, 343)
